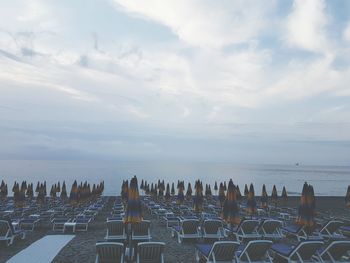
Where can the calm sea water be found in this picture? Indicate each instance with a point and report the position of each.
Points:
(327, 180)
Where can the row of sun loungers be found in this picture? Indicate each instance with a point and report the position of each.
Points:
(255, 239)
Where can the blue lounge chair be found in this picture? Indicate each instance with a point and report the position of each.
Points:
(337, 251)
(305, 251)
(255, 251)
(220, 251)
(8, 233)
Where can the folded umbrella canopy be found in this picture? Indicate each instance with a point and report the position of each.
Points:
(167, 193)
(3, 190)
(306, 211)
(238, 193)
(124, 191)
(221, 194)
(230, 211)
(189, 192)
(172, 189)
(64, 191)
(284, 193)
(180, 193)
(216, 188)
(251, 203)
(246, 191)
(274, 195)
(347, 197)
(198, 197)
(264, 198)
(133, 212)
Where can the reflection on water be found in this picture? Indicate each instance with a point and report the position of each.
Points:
(327, 180)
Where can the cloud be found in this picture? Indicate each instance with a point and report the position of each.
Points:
(346, 33)
(205, 23)
(305, 26)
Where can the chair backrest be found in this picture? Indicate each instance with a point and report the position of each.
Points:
(332, 226)
(108, 252)
(115, 228)
(336, 250)
(306, 249)
(212, 226)
(223, 251)
(4, 228)
(190, 226)
(256, 250)
(142, 228)
(270, 226)
(150, 252)
(249, 226)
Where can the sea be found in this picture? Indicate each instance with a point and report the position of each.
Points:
(326, 180)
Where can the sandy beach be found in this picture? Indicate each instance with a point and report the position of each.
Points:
(82, 247)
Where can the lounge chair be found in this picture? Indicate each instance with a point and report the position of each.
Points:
(8, 234)
(255, 251)
(171, 220)
(58, 223)
(296, 231)
(247, 229)
(331, 230)
(337, 251)
(188, 229)
(271, 229)
(212, 228)
(141, 231)
(150, 252)
(305, 251)
(220, 251)
(345, 230)
(28, 224)
(108, 252)
(82, 223)
(115, 230)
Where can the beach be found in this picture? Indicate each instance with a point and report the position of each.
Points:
(82, 246)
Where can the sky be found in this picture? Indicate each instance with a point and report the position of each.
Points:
(187, 80)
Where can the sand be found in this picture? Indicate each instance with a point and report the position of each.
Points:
(82, 247)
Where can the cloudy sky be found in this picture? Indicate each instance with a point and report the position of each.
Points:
(233, 81)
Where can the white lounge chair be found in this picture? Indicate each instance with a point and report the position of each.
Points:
(141, 231)
(8, 234)
(188, 229)
(150, 252)
(108, 252)
(115, 230)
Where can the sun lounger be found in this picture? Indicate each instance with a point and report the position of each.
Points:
(150, 252)
(115, 230)
(345, 230)
(255, 251)
(337, 251)
(331, 230)
(220, 251)
(294, 231)
(107, 252)
(141, 231)
(188, 229)
(247, 229)
(82, 223)
(212, 229)
(305, 251)
(271, 229)
(28, 224)
(8, 234)
(58, 223)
